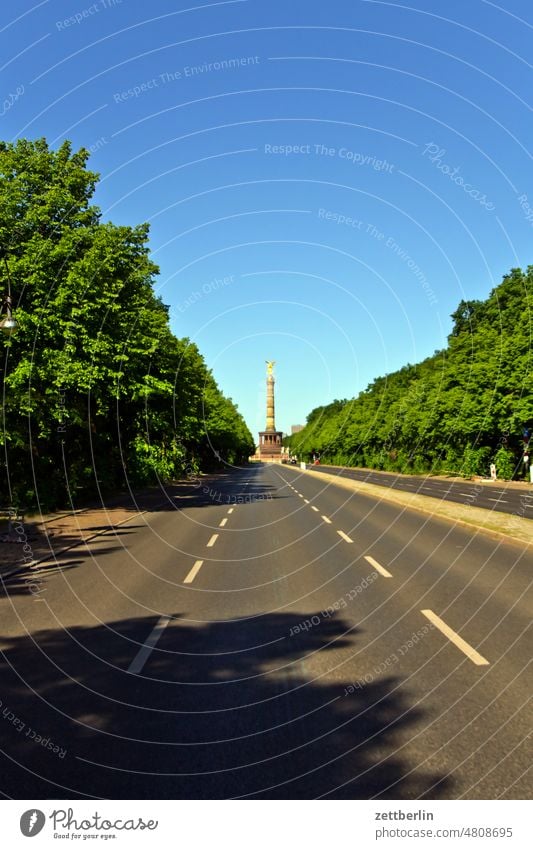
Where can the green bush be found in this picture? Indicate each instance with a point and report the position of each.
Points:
(475, 461)
(505, 463)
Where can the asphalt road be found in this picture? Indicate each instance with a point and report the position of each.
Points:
(270, 636)
(490, 495)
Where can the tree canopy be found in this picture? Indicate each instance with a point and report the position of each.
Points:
(456, 412)
(96, 390)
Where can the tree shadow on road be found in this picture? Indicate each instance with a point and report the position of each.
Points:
(220, 710)
(66, 531)
(31, 580)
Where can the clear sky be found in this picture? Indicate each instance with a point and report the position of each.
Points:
(324, 181)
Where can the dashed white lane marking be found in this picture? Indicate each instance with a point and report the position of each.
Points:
(300, 495)
(344, 536)
(306, 500)
(499, 500)
(377, 566)
(315, 509)
(230, 510)
(212, 541)
(193, 573)
(142, 655)
(454, 637)
(222, 522)
(325, 518)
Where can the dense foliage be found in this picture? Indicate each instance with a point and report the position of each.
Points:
(96, 390)
(456, 412)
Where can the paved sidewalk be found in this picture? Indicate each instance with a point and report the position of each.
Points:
(43, 537)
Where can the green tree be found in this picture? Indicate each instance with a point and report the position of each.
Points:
(95, 388)
(449, 412)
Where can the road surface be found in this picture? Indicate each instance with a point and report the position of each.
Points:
(490, 495)
(269, 636)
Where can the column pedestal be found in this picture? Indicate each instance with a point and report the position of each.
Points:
(270, 444)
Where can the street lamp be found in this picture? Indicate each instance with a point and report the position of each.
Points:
(8, 324)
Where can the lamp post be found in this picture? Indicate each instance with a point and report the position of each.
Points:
(8, 324)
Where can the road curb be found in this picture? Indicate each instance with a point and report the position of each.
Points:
(477, 519)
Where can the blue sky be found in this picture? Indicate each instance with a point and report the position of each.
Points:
(324, 181)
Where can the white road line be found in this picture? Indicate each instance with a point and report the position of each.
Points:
(325, 518)
(306, 500)
(230, 510)
(317, 510)
(344, 536)
(193, 573)
(300, 495)
(142, 655)
(212, 541)
(499, 500)
(222, 522)
(377, 566)
(467, 649)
